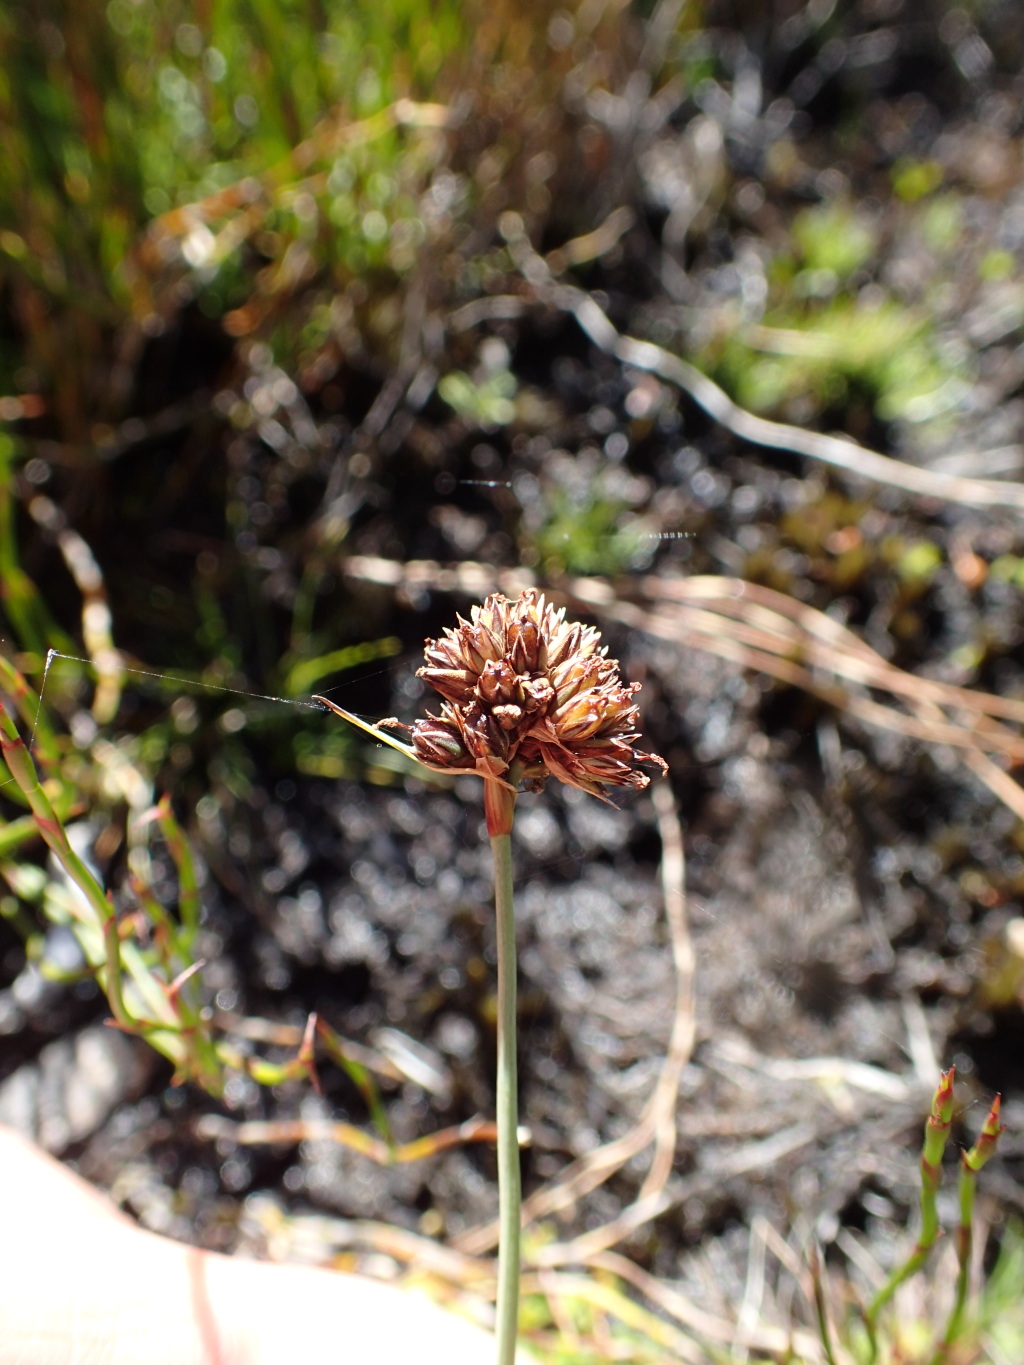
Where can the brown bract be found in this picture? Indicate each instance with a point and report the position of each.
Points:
(524, 687)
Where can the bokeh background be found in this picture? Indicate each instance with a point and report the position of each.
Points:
(318, 321)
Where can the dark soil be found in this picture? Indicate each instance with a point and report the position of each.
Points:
(849, 890)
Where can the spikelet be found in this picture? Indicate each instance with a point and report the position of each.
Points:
(523, 686)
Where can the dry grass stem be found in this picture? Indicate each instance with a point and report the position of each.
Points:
(840, 452)
(663, 1102)
(708, 1326)
(758, 628)
(97, 623)
(291, 1132)
(291, 1035)
(423, 1255)
(607, 1299)
(752, 1307)
(829, 1072)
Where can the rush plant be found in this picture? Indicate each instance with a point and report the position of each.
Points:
(936, 1135)
(143, 953)
(526, 696)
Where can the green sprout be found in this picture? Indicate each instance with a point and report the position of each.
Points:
(936, 1136)
(487, 402)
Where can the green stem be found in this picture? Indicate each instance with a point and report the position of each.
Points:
(936, 1135)
(509, 1193)
(820, 1306)
(19, 762)
(188, 884)
(970, 1164)
(163, 1032)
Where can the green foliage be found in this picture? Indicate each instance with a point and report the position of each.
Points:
(918, 563)
(304, 675)
(21, 600)
(837, 335)
(998, 1321)
(997, 265)
(882, 349)
(942, 222)
(588, 534)
(487, 402)
(144, 959)
(164, 104)
(1008, 569)
(834, 239)
(913, 180)
(116, 115)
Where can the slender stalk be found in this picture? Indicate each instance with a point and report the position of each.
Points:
(163, 1031)
(970, 1164)
(21, 767)
(527, 696)
(820, 1306)
(509, 1192)
(188, 885)
(936, 1135)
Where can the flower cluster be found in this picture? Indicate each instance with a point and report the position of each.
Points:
(530, 695)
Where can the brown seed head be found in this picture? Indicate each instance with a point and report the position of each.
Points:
(521, 685)
(439, 741)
